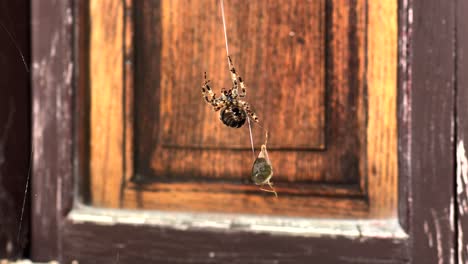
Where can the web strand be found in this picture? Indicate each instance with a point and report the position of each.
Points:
(224, 26)
(24, 199)
(17, 46)
(251, 138)
(227, 55)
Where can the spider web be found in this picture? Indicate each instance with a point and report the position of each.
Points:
(227, 55)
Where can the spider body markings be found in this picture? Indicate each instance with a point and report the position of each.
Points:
(234, 112)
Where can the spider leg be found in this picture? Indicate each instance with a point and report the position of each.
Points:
(236, 81)
(218, 104)
(207, 92)
(244, 105)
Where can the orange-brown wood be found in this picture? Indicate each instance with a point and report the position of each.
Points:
(330, 190)
(382, 136)
(278, 49)
(128, 82)
(106, 92)
(186, 199)
(174, 148)
(345, 130)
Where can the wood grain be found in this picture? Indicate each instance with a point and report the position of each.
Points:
(317, 200)
(90, 243)
(52, 134)
(431, 106)
(461, 201)
(432, 126)
(245, 201)
(277, 47)
(382, 144)
(378, 163)
(106, 92)
(404, 113)
(128, 97)
(345, 97)
(361, 147)
(83, 102)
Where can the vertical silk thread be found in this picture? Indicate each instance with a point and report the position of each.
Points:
(251, 138)
(227, 55)
(224, 26)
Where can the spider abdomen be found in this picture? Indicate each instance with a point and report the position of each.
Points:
(233, 116)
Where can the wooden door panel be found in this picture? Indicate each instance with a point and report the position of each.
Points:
(62, 136)
(184, 133)
(278, 49)
(165, 147)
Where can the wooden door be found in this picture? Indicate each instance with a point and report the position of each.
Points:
(320, 75)
(352, 136)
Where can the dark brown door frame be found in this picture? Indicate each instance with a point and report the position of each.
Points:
(461, 131)
(430, 107)
(426, 155)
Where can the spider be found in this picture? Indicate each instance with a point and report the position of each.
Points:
(233, 111)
